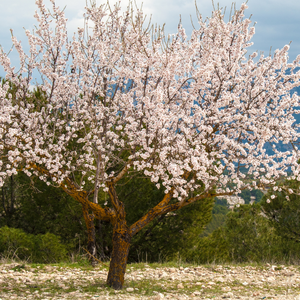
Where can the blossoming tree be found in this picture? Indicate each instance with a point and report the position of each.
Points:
(188, 114)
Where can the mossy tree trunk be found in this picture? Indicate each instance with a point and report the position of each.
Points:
(120, 251)
(121, 242)
(122, 235)
(116, 215)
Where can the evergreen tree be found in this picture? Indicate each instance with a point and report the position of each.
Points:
(283, 211)
(246, 236)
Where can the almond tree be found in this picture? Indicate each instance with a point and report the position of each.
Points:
(188, 114)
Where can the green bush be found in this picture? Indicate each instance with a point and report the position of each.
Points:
(211, 248)
(41, 248)
(37, 209)
(246, 236)
(49, 249)
(15, 243)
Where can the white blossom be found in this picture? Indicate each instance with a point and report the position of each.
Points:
(186, 116)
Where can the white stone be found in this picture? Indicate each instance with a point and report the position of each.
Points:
(228, 295)
(226, 289)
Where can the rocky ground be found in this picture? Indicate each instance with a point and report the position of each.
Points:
(150, 282)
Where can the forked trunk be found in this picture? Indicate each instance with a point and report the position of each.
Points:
(117, 268)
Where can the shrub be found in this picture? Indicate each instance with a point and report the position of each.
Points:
(246, 236)
(15, 243)
(49, 249)
(41, 248)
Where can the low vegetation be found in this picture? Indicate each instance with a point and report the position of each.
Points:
(170, 280)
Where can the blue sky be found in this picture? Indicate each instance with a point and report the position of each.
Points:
(278, 21)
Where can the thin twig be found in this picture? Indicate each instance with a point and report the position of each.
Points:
(96, 258)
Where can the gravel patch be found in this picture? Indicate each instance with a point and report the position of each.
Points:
(146, 282)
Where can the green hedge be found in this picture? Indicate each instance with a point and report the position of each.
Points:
(41, 248)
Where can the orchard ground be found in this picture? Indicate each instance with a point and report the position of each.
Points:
(150, 281)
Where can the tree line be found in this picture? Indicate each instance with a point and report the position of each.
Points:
(40, 223)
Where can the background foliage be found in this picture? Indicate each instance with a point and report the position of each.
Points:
(41, 223)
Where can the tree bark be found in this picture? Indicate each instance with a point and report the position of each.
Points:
(117, 268)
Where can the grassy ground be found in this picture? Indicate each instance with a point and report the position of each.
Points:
(170, 280)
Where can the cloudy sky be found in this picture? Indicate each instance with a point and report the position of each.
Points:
(278, 21)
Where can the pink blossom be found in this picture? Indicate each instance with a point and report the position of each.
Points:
(239, 104)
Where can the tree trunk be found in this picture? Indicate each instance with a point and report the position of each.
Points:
(91, 247)
(117, 268)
